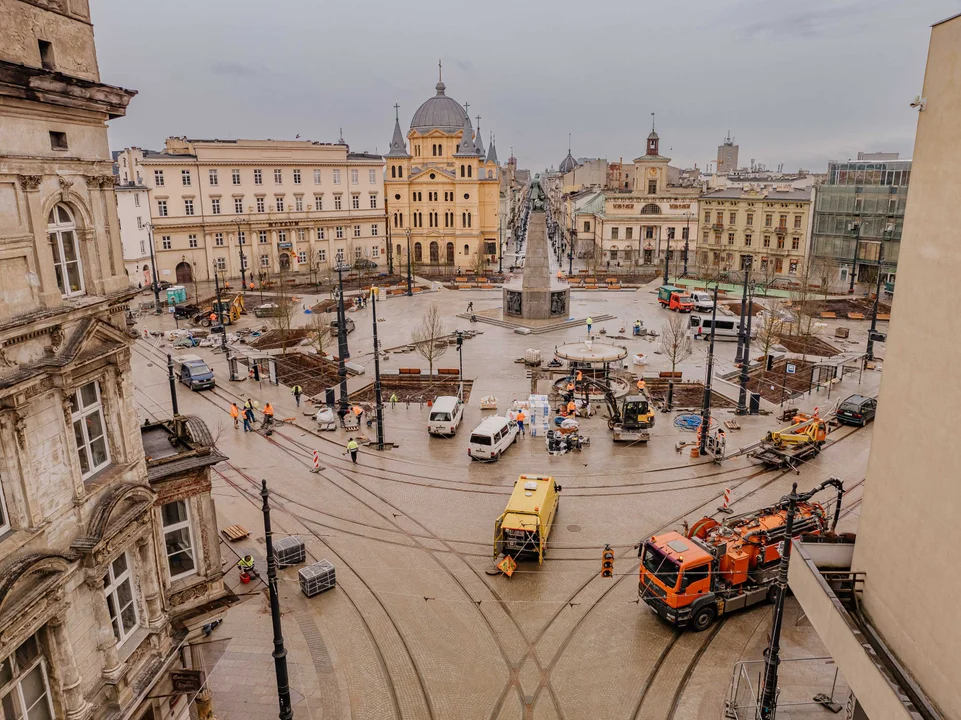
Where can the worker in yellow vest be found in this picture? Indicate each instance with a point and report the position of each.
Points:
(352, 448)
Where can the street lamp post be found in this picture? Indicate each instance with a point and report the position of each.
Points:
(877, 300)
(243, 258)
(667, 267)
(342, 350)
(739, 355)
(500, 243)
(460, 376)
(854, 261)
(280, 652)
(687, 240)
(744, 341)
(378, 398)
(706, 406)
(153, 265)
(220, 306)
(410, 275)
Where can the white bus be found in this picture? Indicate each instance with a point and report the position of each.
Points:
(724, 328)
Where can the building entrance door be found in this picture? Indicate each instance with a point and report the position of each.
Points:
(185, 273)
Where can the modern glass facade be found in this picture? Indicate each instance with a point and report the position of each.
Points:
(869, 194)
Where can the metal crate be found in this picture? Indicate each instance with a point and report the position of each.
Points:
(316, 578)
(289, 551)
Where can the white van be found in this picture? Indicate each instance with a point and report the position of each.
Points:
(445, 415)
(703, 301)
(491, 438)
(724, 328)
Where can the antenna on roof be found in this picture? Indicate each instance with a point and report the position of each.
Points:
(440, 71)
(568, 143)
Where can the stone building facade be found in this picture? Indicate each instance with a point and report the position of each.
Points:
(443, 190)
(86, 627)
(261, 206)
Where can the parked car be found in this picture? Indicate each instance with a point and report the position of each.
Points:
(267, 310)
(703, 301)
(857, 410)
(445, 415)
(334, 329)
(364, 265)
(491, 438)
(163, 285)
(194, 372)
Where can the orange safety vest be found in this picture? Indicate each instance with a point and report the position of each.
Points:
(521, 417)
(234, 411)
(571, 407)
(358, 410)
(268, 409)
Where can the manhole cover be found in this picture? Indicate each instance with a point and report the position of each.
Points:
(574, 528)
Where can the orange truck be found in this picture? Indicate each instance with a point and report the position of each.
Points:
(691, 579)
(675, 298)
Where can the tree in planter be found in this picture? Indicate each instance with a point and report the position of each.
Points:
(478, 262)
(823, 271)
(427, 335)
(769, 328)
(318, 333)
(802, 314)
(283, 319)
(675, 343)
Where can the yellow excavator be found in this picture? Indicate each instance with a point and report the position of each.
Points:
(232, 311)
(794, 444)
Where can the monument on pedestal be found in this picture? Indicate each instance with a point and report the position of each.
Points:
(539, 295)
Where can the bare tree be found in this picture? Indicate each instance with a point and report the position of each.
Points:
(478, 262)
(675, 343)
(769, 327)
(318, 333)
(283, 318)
(822, 272)
(427, 336)
(594, 259)
(802, 311)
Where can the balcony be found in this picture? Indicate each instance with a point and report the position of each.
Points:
(717, 226)
(781, 230)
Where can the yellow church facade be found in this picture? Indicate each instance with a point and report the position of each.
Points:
(442, 191)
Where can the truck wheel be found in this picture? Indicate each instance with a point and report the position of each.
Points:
(703, 618)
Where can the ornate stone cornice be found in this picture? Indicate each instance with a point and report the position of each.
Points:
(30, 183)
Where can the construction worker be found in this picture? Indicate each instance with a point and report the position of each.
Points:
(235, 414)
(637, 328)
(641, 384)
(520, 418)
(358, 411)
(590, 321)
(246, 564)
(580, 376)
(352, 448)
(571, 408)
(393, 400)
(268, 415)
(248, 418)
(213, 318)
(251, 286)
(297, 391)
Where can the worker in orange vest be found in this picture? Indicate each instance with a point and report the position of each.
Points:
(641, 384)
(572, 408)
(268, 415)
(520, 418)
(213, 318)
(235, 414)
(580, 376)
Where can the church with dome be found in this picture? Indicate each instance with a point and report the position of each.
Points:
(442, 188)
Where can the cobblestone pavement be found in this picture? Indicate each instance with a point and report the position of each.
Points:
(416, 628)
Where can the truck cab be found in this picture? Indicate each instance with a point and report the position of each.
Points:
(676, 580)
(523, 528)
(194, 372)
(675, 298)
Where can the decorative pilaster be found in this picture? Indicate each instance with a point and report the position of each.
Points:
(77, 707)
(106, 640)
(95, 246)
(156, 618)
(42, 259)
(70, 452)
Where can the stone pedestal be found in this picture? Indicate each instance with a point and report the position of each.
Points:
(539, 295)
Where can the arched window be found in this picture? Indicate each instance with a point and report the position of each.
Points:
(468, 219)
(450, 253)
(434, 256)
(651, 209)
(418, 252)
(393, 171)
(462, 171)
(62, 232)
(400, 253)
(466, 250)
(400, 219)
(463, 219)
(400, 171)
(470, 171)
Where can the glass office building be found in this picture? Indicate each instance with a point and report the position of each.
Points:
(861, 205)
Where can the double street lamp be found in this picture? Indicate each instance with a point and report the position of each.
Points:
(410, 275)
(243, 258)
(155, 286)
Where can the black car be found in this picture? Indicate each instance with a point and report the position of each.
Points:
(365, 265)
(857, 410)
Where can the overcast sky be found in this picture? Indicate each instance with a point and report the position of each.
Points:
(798, 83)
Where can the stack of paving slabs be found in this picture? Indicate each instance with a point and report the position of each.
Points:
(290, 551)
(539, 409)
(316, 578)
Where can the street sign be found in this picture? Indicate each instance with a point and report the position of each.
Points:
(791, 368)
(186, 681)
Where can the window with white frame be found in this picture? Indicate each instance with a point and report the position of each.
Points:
(375, 251)
(89, 429)
(299, 203)
(24, 686)
(241, 237)
(339, 233)
(354, 177)
(165, 242)
(301, 234)
(185, 177)
(258, 177)
(278, 176)
(260, 204)
(356, 230)
(162, 208)
(178, 539)
(220, 264)
(318, 202)
(373, 201)
(262, 237)
(336, 176)
(118, 588)
(372, 176)
(373, 230)
(215, 205)
(279, 202)
(355, 202)
(281, 236)
(337, 202)
(322, 255)
(238, 205)
(317, 176)
(301, 256)
(219, 239)
(62, 233)
(265, 261)
(136, 200)
(296, 177)
(212, 176)
(320, 233)
(192, 240)
(158, 178)
(235, 176)
(188, 206)
(339, 256)
(358, 253)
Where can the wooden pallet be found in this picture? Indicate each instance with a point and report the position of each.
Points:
(235, 532)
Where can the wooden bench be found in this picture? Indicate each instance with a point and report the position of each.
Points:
(611, 280)
(884, 316)
(448, 371)
(829, 315)
(590, 287)
(614, 286)
(409, 371)
(855, 316)
(460, 279)
(668, 375)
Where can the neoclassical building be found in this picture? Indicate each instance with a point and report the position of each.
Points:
(443, 189)
(95, 561)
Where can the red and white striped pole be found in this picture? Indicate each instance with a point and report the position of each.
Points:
(727, 501)
(317, 468)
